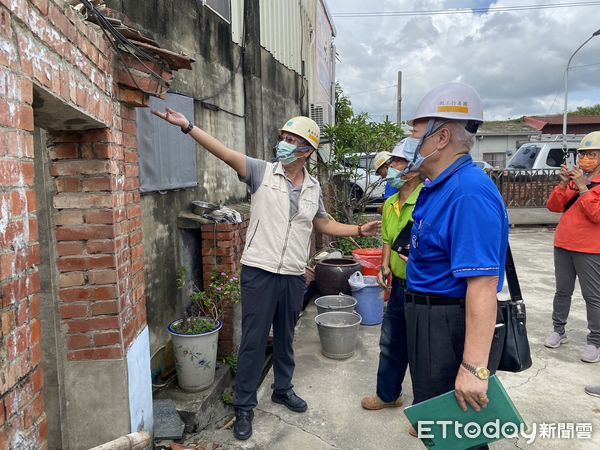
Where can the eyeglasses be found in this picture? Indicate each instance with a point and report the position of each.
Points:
(290, 139)
(587, 154)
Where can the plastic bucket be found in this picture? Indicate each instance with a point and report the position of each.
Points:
(370, 301)
(369, 259)
(338, 333)
(370, 262)
(339, 303)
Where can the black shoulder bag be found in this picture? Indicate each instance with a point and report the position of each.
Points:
(510, 348)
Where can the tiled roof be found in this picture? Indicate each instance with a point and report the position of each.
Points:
(506, 127)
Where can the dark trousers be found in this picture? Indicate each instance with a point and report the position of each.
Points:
(267, 299)
(436, 340)
(393, 355)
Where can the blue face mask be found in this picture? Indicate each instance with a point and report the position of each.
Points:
(394, 178)
(285, 152)
(412, 149)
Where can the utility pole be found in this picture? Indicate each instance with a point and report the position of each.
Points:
(399, 105)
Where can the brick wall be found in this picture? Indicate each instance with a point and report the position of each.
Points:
(97, 213)
(222, 247)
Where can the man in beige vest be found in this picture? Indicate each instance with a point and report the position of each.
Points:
(286, 204)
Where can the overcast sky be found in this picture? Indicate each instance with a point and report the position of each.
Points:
(515, 59)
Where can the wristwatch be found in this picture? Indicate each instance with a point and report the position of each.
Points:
(480, 372)
(189, 128)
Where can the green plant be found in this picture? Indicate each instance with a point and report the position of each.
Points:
(346, 245)
(231, 361)
(206, 307)
(339, 173)
(227, 397)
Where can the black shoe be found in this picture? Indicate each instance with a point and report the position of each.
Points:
(291, 400)
(242, 427)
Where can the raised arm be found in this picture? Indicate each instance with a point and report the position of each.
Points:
(233, 159)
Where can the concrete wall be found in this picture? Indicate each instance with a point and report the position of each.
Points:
(219, 78)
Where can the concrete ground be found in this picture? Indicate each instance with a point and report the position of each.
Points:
(551, 391)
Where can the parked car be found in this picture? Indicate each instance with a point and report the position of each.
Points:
(362, 179)
(547, 155)
(484, 165)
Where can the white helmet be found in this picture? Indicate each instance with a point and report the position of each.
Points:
(398, 151)
(305, 128)
(590, 141)
(380, 159)
(453, 101)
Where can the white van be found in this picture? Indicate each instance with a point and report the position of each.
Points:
(544, 154)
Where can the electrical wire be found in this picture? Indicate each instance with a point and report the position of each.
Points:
(116, 39)
(434, 12)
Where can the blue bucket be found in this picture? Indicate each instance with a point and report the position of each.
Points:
(370, 301)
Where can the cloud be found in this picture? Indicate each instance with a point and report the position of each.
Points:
(515, 59)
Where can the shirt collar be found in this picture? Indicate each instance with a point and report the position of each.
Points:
(412, 198)
(308, 179)
(457, 165)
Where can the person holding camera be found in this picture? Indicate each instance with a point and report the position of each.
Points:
(576, 244)
(396, 225)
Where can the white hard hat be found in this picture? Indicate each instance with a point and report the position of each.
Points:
(398, 151)
(380, 159)
(590, 141)
(305, 128)
(453, 101)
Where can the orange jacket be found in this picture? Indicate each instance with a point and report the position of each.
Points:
(579, 228)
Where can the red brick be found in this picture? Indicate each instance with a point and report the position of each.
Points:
(73, 311)
(102, 276)
(8, 267)
(87, 325)
(76, 233)
(96, 354)
(103, 246)
(70, 279)
(70, 264)
(80, 167)
(104, 339)
(65, 151)
(42, 5)
(35, 306)
(37, 380)
(106, 308)
(34, 233)
(77, 341)
(82, 200)
(8, 322)
(97, 184)
(88, 293)
(36, 355)
(35, 333)
(2, 418)
(133, 97)
(67, 217)
(68, 248)
(99, 217)
(68, 184)
(33, 411)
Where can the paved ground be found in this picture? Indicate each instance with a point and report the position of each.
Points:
(551, 391)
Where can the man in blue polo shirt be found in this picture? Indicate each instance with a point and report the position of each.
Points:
(457, 252)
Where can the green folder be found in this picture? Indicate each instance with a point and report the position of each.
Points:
(445, 426)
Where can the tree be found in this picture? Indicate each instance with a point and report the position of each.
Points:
(587, 111)
(351, 136)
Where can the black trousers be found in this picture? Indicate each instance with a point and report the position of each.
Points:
(436, 343)
(436, 340)
(267, 299)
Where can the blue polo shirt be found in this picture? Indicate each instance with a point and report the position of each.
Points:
(460, 231)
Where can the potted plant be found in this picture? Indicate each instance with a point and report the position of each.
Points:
(195, 336)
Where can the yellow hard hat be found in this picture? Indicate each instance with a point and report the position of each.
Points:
(305, 128)
(380, 159)
(591, 141)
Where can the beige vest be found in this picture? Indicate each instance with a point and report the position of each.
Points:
(276, 242)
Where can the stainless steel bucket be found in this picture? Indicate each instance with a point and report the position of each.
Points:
(339, 303)
(338, 332)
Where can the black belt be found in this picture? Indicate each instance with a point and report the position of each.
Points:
(432, 300)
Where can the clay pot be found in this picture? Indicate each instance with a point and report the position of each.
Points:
(331, 275)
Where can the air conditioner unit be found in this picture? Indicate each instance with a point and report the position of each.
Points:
(322, 113)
